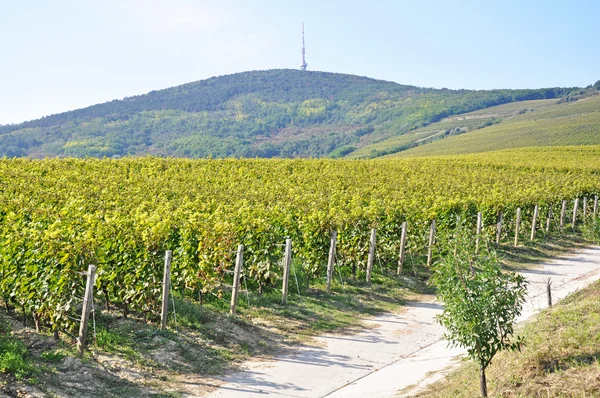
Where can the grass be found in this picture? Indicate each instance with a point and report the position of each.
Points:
(570, 123)
(151, 349)
(14, 356)
(561, 357)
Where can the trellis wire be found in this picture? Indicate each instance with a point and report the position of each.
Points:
(95, 354)
(296, 278)
(337, 262)
(247, 295)
(173, 301)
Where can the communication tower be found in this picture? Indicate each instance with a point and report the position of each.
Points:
(304, 64)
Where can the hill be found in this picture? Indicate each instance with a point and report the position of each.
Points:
(286, 113)
(538, 123)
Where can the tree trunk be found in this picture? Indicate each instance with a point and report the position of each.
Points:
(483, 383)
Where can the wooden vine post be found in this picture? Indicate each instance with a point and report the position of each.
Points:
(479, 227)
(235, 289)
(287, 261)
(518, 226)
(499, 229)
(536, 211)
(563, 212)
(331, 260)
(402, 246)
(85, 312)
(585, 205)
(371, 257)
(165, 292)
(431, 242)
(595, 206)
(575, 208)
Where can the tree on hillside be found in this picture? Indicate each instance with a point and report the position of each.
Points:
(597, 85)
(481, 304)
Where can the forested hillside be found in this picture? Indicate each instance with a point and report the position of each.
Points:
(286, 113)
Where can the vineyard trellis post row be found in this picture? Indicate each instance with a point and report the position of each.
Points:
(235, 289)
(287, 263)
(402, 245)
(518, 226)
(499, 229)
(165, 291)
(431, 241)
(479, 227)
(563, 212)
(371, 257)
(536, 211)
(575, 208)
(87, 306)
(331, 260)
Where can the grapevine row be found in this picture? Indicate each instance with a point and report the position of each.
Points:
(57, 216)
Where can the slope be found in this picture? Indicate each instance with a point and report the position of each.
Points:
(286, 113)
(450, 126)
(563, 123)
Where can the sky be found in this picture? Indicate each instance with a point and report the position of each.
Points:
(59, 55)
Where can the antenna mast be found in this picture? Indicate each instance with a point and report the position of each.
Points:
(304, 64)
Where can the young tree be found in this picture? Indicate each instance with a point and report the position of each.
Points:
(481, 303)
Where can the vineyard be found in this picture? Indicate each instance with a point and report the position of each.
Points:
(60, 215)
(539, 124)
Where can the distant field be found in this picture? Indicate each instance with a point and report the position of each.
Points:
(465, 122)
(555, 157)
(511, 108)
(572, 123)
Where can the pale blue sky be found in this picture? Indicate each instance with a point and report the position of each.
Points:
(59, 55)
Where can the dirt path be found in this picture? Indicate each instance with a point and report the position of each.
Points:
(398, 350)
